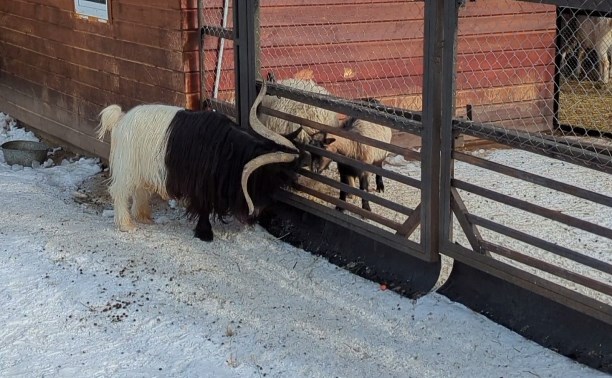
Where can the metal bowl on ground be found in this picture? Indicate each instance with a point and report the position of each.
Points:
(24, 152)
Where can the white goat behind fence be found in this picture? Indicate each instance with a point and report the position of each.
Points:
(595, 33)
(313, 113)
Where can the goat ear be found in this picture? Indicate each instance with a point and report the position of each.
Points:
(292, 135)
(329, 140)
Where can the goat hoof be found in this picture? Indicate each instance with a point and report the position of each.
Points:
(128, 227)
(204, 235)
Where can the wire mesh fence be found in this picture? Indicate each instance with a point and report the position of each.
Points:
(528, 74)
(217, 59)
(358, 49)
(523, 79)
(540, 74)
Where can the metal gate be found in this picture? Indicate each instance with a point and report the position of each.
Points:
(504, 71)
(541, 264)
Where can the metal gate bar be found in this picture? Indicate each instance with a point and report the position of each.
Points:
(534, 179)
(531, 282)
(543, 145)
(536, 144)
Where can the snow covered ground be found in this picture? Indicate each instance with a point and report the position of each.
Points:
(82, 299)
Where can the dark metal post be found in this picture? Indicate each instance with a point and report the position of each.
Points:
(245, 56)
(451, 15)
(432, 122)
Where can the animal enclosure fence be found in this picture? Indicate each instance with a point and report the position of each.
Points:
(529, 75)
(531, 62)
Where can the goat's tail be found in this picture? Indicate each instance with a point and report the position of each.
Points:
(109, 117)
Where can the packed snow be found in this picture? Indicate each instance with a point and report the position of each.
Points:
(80, 298)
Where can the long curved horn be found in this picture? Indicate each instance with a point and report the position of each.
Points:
(259, 127)
(251, 166)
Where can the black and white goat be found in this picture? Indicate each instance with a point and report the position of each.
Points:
(358, 151)
(200, 157)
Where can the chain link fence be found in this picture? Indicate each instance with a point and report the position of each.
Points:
(539, 74)
(528, 74)
(532, 76)
(536, 77)
(365, 52)
(358, 49)
(217, 61)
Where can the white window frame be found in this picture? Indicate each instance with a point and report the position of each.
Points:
(91, 9)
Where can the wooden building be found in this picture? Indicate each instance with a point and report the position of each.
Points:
(506, 63)
(58, 69)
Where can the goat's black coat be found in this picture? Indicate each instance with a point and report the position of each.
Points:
(205, 157)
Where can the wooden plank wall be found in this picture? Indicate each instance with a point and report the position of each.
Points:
(57, 70)
(506, 63)
(374, 48)
(347, 47)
